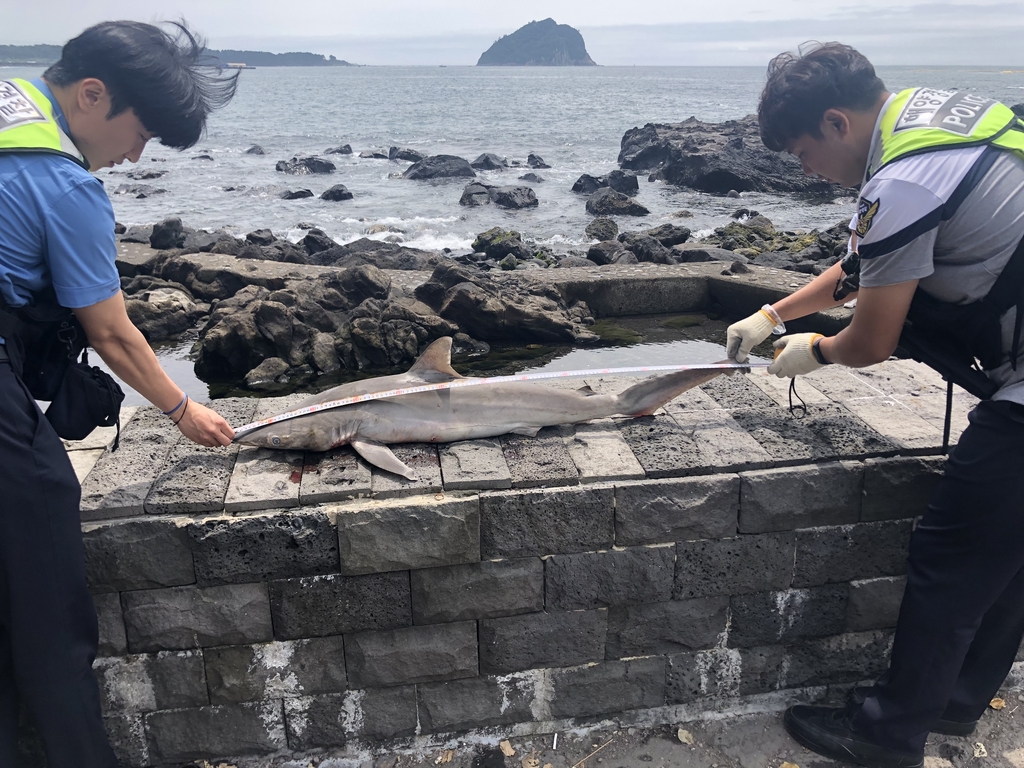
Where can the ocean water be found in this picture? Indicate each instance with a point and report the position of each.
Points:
(573, 117)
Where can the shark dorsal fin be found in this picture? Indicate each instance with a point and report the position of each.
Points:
(586, 390)
(437, 358)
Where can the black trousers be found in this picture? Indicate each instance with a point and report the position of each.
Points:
(962, 617)
(48, 630)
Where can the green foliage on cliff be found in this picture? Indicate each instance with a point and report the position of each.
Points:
(539, 44)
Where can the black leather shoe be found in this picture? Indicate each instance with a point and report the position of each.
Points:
(944, 726)
(828, 732)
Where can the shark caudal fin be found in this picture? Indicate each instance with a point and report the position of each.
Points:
(437, 358)
(645, 398)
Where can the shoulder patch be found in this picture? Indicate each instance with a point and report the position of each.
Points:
(866, 210)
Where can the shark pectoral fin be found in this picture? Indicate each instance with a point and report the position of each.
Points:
(528, 431)
(381, 456)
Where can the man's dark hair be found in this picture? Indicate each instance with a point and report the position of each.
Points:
(802, 86)
(165, 78)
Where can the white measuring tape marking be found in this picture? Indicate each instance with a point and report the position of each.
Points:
(476, 382)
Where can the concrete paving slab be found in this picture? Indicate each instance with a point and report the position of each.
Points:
(778, 389)
(902, 426)
(83, 461)
(600, 453)
(826, 432)
(421, 458)
(101, 437)
(840, 384)
(901, 377)
(337, 475)
(932, 408)
(663, 448)
(541, 461)
(737, 391)
(195, 478)
(264, 479)
(474, 464)
(119, 482)
(723, 444)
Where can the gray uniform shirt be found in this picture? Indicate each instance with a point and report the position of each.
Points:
(950, 219)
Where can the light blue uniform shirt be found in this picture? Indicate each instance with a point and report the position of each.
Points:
(56, 227)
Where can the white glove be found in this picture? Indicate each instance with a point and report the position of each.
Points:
(744, 335)
(795, 356)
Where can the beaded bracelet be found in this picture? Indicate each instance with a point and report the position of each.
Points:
(183, 411)
(184, 397)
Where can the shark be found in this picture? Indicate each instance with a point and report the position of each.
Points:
(449, 415)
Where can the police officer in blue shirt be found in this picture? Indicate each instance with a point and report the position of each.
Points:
(117, 86)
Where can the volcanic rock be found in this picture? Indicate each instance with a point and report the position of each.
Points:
(337, 193)
(439, 167)
(607, 202)
(716, 158)
(305, 165)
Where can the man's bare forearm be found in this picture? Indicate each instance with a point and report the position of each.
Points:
(131, 358)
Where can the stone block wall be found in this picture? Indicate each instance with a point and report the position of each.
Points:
(289, 604)
(238, 635)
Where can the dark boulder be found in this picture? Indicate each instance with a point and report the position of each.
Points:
(605, 252)
(315, 241)
(602, 229)
(163, 312)
(489, 162)
(145, 174)
(497, 243)
(382, 255)
(169, 233)
(669, 234)
(255, 149)
(297, 194)
(646, 248)
(536, 162)
(608, 202)
(690, 252)
(716, 158)
(620, 181)
(499, 311)
(337, 193)
(572, 260)
(513, 198)
(374, 154)
(533, 178)
(475, 194)
(300, 166)
(279, 250)
(260, 237)
(137, 233)
(344, 149)
(439, 167)
(1018, 110)
(587, 185)
(406, 154)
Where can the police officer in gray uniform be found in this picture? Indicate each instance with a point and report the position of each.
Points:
(936, 240)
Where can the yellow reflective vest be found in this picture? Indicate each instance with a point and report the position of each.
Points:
(28, 123)
(927, 119)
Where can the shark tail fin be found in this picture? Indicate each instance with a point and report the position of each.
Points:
(645, 398)
(436, 358)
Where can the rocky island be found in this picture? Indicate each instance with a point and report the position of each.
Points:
(539, 44)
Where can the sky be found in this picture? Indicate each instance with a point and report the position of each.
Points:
(644, 32)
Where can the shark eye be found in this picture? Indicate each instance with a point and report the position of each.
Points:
(275, 440)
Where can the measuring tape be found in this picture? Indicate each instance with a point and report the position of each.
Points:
(476, 382)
